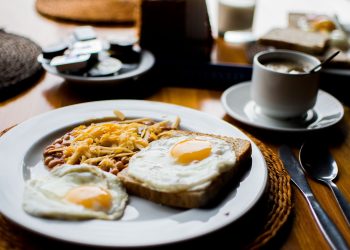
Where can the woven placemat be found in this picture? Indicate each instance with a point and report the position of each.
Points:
(279, 195)
(279, 207)
(90, 11)
(18, 61)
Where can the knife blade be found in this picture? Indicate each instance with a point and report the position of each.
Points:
(326, 225)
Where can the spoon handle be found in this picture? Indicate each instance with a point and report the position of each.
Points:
(342, 202)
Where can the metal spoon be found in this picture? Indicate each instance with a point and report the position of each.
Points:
(320, 165)
(325, 62)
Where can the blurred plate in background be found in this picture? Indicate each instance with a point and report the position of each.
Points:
(128, 72)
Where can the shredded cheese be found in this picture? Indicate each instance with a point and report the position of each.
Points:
(110, 145)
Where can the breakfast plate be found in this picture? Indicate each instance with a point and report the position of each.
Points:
(128, 71)
(144, 223)
(237, 102)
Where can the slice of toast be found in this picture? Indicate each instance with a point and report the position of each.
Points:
(295, 39)
(197, 198)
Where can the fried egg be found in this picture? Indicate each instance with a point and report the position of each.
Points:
(182, 162)
(75, 192)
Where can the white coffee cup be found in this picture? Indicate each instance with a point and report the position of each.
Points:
(279, 87)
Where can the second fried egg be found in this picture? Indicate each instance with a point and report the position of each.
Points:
(74, 192)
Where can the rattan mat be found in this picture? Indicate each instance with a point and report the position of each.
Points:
(18, 61)
(279, 207)
(94, 11)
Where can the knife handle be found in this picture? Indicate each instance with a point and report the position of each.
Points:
(328, 228)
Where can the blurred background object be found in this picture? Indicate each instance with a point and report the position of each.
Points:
(18, 64)
(235, 20)
(176, 29)
(91, 11)
(88, 59)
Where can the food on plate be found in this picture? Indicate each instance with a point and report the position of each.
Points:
(75, 192)
(108, 145)
(312, 22)
(185, 169)
(323, 24)
(316, 34)
(296, 39)
(153, 159)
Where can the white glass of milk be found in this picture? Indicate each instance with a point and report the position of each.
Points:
(235, 20)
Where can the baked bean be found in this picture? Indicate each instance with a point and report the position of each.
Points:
(67, 136)
(125, 160)
(58, 141)
(55, 162)
(114, 171)
(59, 154)
(48, 159)
(120, 165)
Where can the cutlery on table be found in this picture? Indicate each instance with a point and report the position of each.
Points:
(320, 165)
(328, 228)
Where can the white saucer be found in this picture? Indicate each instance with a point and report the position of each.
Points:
(238, 104)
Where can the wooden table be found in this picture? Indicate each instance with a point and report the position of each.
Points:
(52, 92)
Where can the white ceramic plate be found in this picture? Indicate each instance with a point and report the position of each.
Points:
(237, 102)
(146, 63)
(144, 223)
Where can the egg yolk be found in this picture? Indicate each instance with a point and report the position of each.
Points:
(90, 197)
(190, 150)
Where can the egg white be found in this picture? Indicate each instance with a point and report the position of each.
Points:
(44, 197)
(158, 170)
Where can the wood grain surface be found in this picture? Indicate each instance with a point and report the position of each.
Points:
(52, 92)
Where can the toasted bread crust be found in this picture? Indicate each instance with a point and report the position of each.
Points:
(191, 199)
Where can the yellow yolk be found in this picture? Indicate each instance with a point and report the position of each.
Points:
(90, 197)
(191, 150)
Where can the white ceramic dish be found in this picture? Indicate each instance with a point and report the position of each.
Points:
(146, 63)
(144, 223)
(238, 104)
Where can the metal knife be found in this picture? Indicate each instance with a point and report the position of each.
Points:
(328, 228)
